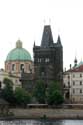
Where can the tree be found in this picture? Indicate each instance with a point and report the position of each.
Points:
(22, 97)
(55, 98)
(54, 95)
(7, 81)
(53, 86)
(7, 91)
(39, 92)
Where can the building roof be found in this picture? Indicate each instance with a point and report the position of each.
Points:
(47, 38)
(78, 68)
(18, 53)
(80, 64)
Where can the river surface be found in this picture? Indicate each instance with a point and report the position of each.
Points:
(42, 122)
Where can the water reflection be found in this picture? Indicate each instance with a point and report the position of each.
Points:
(37, 122)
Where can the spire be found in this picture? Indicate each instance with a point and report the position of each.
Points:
(47, 38)
(34, 43)
(59, 40)
(75, 62)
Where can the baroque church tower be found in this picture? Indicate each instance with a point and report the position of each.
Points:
(48, 58)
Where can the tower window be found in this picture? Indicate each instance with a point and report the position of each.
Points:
(13, 67)
(21, 67)
(47, 60)
(39, 60)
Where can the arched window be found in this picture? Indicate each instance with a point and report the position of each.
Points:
(13, 67)
(21, 67)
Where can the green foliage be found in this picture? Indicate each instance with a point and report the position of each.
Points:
(19, 96)
(53, 86)
(54, 95)
(39, 92)
(55, 98)
(22, 97)
(7, 81)
(7, 91)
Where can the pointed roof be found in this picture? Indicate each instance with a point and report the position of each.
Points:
(59, 40)
(75, 60)
(34, 43)
(47, 38)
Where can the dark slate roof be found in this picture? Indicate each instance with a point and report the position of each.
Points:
(59, 40)
(47, 38)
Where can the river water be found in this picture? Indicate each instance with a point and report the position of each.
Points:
(42, 122)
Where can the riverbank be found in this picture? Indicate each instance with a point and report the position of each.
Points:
(38, 113)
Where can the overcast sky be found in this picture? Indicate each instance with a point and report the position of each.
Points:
(25, 19)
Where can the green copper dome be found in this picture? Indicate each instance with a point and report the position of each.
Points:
(18, 53)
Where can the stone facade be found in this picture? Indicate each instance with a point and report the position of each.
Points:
(27, 81)
(48, 58)
(15, 67)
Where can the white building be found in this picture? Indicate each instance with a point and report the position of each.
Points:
(73, 84)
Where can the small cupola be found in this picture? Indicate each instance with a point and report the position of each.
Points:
(19, 44)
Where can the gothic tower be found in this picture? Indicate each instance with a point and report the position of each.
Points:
(48, 58)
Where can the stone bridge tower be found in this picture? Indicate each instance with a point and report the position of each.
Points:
(48, 58)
